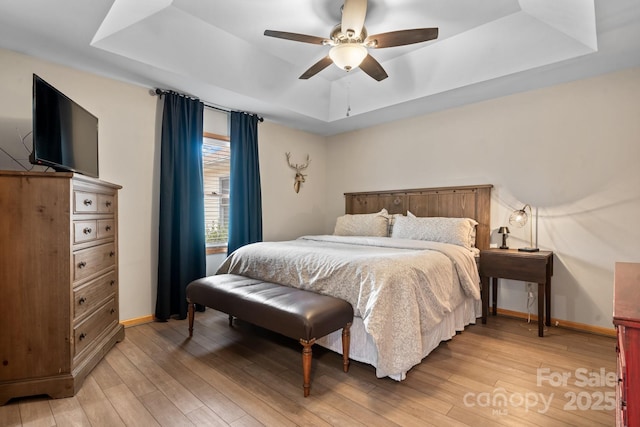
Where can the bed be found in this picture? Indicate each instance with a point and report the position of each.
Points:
(404, 259)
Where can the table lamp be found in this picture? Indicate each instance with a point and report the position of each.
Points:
(519, 218)
(505, 232)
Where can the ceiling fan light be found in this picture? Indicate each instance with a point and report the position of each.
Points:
(348, 55)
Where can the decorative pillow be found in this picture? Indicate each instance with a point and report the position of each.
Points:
(457, 231)
(375, 224)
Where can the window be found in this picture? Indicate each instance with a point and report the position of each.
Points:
(216, 167)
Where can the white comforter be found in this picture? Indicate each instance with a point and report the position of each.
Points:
(399, 287)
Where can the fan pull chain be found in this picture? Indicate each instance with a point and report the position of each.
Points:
(348, 99)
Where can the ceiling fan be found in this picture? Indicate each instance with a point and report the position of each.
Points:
(350, 42)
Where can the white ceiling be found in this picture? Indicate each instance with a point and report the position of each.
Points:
(216, 50)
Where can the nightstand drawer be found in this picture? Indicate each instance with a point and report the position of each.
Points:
(528, 268)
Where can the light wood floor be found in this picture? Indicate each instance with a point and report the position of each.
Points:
(243, 376)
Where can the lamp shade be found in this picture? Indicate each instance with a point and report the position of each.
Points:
(503, 230)
(348, 55)
(519, 217)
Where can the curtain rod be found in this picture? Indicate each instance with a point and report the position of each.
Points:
(161, 92)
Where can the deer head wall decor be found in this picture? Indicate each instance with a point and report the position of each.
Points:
(299, 179)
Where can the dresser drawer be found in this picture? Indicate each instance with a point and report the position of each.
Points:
(87, 262)
(106, 228)
(87, 331)
(106, 203)
(84, 231)
(87, 202)
(88, 297)
(84, 202)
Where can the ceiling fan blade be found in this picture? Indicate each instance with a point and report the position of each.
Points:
(316, 68)
(402, 37)
(295, 37)
(353, 14)
(373, 68)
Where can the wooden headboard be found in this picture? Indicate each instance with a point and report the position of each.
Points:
(471, 201)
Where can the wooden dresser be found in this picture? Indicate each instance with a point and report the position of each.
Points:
(58, 281)
(626, 318)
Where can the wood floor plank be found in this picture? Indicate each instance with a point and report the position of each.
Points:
(96, 406)
(69, 412)
(247, 421)
(36, 412)
(205, 417)
(164, 410)
(10, 416)
(130, 375)
(105, 376)
(410, 400)
(129, 407)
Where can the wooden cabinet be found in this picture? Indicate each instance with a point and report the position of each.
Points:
(626, 318)
(58, 281)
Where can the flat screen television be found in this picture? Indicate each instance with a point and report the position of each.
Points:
(65, 135)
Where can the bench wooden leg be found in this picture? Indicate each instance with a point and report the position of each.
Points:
(346, 343)
(306, 364)
(192, 309)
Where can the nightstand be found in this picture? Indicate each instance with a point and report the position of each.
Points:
(536, 267)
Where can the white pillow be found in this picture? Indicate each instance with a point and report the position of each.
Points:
(375, 224)
(457, 231)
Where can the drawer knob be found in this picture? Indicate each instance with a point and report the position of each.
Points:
(108, 203)
(88, 202)
(113, 310)
(82, 336)
(113, 282)
(87, 230)
(108, 228)
(82, 264)
(82, 300)
(112, 254)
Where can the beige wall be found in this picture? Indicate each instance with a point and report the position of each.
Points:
(572, 150)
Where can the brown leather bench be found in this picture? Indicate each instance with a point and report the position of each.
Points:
(295, 313)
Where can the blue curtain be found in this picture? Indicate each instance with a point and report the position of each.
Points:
(245, 198)
(181, 246)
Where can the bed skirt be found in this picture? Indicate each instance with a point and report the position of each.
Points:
(363, 348)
